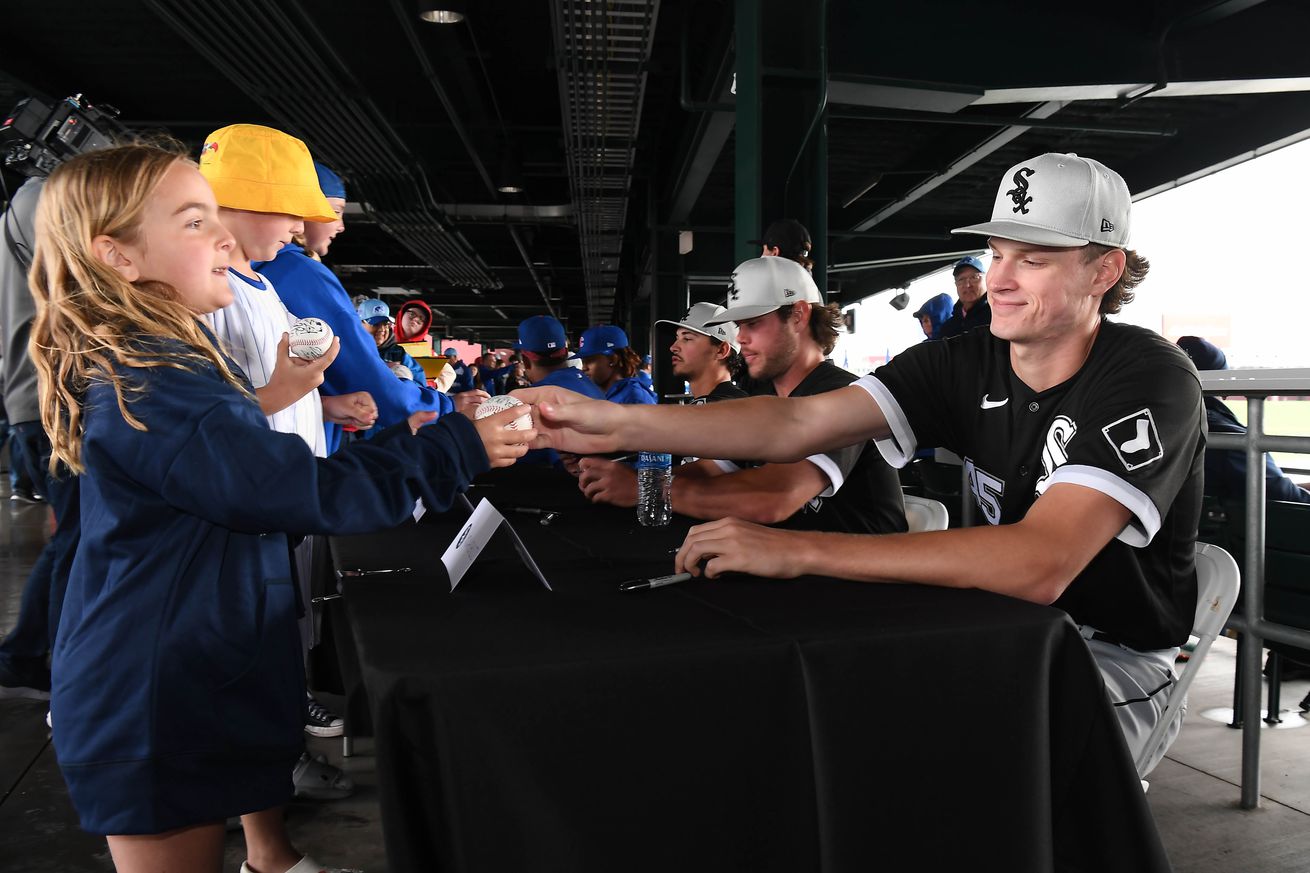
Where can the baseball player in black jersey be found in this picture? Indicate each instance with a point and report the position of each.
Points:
(1084, 440)
(777, 316)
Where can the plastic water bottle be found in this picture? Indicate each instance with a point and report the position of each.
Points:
(654, 488)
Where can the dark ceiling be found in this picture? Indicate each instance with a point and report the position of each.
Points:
(426, 121)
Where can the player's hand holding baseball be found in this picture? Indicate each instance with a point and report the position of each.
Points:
(605, 481)
(504, 446)
(567, 421)
(293, 377)
(356, 409)
(731, 545)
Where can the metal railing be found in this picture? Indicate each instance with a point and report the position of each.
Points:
(1256, 385)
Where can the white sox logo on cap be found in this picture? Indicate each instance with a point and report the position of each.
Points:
(1019, 193)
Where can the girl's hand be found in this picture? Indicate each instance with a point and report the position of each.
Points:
(504, 446)
(293, 377)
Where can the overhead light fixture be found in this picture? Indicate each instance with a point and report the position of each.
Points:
(511, 172)
(442, 11)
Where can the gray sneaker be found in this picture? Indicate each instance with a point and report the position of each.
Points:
(315, 779)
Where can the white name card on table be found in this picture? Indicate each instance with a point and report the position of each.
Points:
(473, 537)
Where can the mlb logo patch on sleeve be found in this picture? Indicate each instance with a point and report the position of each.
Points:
(1135, 439)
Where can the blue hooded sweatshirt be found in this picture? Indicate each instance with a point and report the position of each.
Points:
(309, 289)
(938, 310)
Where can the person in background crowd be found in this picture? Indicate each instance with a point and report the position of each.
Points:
(644, 373)
(787, 238)
(613, 365)
(377, 320)
(972, 309)
(463, 375)
(25, 649)
(934, 313)
(413, 322)
(544, 348)
(1225, 469)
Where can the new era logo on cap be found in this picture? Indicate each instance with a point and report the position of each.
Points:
(1062, 201)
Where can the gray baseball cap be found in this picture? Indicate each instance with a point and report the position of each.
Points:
(1060, 200)
(762, 285)
(698, 319)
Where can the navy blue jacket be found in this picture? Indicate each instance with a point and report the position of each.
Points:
(309, 289)
(1225, 469)
(178, 691)
(630, 391)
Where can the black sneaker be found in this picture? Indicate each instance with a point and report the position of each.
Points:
(22, 495)
(321, 721)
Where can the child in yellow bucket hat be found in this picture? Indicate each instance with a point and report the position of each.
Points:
(266, 188)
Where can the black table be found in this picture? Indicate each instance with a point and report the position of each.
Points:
(734, 725)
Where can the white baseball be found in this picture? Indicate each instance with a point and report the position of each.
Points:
(500, 403)
(309, 338)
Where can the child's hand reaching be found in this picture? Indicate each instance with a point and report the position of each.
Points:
(356, 409)
(504, 446)
(293, 377)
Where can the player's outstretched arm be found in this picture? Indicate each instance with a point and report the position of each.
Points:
(1035, 559)
(759, 428)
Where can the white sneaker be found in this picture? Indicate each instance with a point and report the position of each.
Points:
(308, 865)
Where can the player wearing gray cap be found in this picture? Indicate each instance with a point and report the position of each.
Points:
(1084, 438)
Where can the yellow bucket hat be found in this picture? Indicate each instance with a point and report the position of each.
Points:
(260, 169)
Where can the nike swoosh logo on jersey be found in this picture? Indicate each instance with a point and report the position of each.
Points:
(992, 404)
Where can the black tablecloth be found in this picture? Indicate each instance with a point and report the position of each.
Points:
(733, 725)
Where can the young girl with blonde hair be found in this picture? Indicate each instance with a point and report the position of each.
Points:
(177, 678)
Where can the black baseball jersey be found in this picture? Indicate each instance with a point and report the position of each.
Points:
(722, 391)
(1130, 423)
(864, 495)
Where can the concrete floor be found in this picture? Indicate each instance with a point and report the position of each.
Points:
(1193, 793)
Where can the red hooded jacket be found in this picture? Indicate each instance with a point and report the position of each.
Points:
(422, 334)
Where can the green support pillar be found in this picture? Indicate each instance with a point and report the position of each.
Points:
(780, 173)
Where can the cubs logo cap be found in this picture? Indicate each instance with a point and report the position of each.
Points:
(541, 334)
(1060, 200)
(761, 285)
(604, 339)
(260, 169)
(698, 319)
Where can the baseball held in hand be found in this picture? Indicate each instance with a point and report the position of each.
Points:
(500, 403)
(309, 338)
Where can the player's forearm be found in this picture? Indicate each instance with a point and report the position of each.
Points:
(726, 497)
(772, 429)
(1007, 559)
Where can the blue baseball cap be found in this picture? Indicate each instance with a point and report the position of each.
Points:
(329, 182)
(450, 352)
(603, 339)
(645, 359)
(542, 334)
(373, 311)
(971, 261)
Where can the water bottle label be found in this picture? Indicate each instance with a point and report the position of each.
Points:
(654, 461)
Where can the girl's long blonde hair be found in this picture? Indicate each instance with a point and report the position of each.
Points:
(90, 321)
